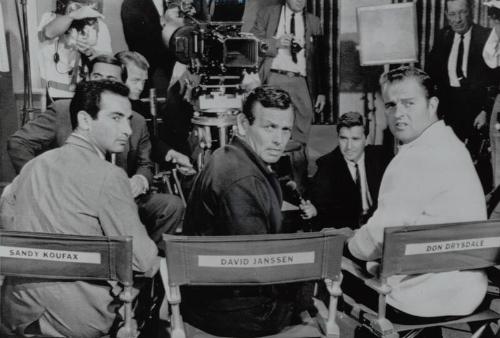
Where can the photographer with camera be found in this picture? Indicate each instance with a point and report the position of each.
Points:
(69, 38)
(292, 48)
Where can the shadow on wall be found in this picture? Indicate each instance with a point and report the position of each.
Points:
(353, 76)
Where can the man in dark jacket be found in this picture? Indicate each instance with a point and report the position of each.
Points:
(457, 66)
(236, 193)
(344, 190)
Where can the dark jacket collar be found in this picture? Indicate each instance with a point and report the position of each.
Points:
(242, 145)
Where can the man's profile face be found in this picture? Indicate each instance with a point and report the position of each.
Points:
(352, 142)
(136, 78)
(459, 16)
(408, 111)
(296, 5)
(106, 71)
(111, 129)
(270, 131)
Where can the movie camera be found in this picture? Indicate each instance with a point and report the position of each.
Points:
(220, 56)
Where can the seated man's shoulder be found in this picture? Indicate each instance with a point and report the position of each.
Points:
(138, 123)
(231, 164)
(138, 118)
(330, 157)
(60, 106)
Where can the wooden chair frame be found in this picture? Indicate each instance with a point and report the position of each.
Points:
(325, 247)
(396, 260)
(99, 258)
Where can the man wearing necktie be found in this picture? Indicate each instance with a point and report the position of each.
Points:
(461, 75)
(293, 61)
(345, 188)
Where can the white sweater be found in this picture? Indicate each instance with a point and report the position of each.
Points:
(431, 180)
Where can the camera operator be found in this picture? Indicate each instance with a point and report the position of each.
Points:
(292, 61)
(69, 38)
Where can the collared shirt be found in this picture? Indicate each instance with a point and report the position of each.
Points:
(97, 150)
(452, 59)
(365, 193)
(430, 181)
(283, 60)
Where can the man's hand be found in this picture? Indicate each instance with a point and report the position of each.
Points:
(308, 210)
(182, 161)
(284, 41)
(320, 103)
(480, 120)
(139, 185)
(85, 48)
(85, 12)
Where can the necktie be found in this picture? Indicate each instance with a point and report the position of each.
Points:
(358, 186)
(292, 32)
(460, 58)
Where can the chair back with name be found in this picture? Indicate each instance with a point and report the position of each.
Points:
(253, 260)
(71, 257)
(421, 249)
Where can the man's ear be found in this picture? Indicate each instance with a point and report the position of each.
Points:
(83, 120)
(433, 105)
(242, 124)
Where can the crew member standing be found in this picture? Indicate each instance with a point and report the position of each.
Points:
(293, 60)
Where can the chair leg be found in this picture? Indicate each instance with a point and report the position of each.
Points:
(129, 329)
(332, 328)
(177, 324)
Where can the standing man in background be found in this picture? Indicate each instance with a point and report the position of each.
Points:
(293, 60)
(457, 66)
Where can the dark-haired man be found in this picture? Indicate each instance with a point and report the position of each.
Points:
(344, 190)
(431, 180)
(161, 213)
(74, 190)
(236, 193)
(294, 59)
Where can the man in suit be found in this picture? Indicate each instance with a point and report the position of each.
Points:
(458, 68)
(74, 190)
(161, 213)
(293, 60)
(345, 188)
(137, 75)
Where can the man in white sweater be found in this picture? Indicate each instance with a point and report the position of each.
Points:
(431, 180)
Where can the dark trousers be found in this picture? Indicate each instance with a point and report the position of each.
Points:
(160, 213)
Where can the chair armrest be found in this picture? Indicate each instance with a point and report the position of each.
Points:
(370, 281)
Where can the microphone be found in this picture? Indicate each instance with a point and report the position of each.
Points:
(294, 192)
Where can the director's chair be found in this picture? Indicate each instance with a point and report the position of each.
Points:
(71, 257)
(198, 261)
(405, 252)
